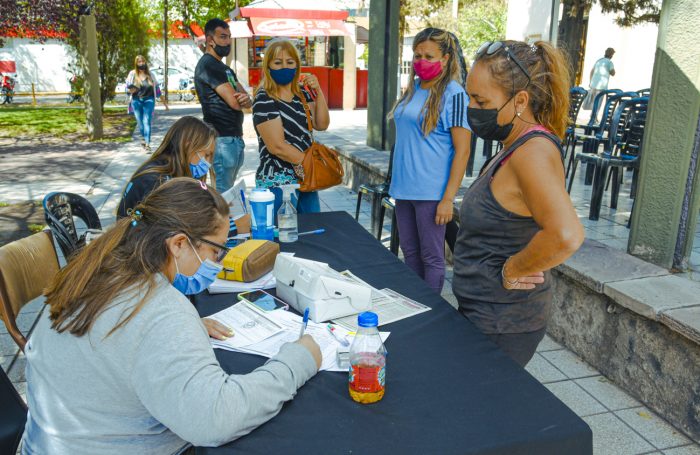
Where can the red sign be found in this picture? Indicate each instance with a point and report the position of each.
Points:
(299, 27)
(7, 66)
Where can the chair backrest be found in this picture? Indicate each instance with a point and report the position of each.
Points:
(13, 416)
(645, 92)
(576, 97)
(627, 127)
(26, 268)
(610, 107)
(601, 99)
(391, 165)
(59, 210)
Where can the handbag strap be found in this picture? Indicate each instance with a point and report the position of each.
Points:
(307, 111)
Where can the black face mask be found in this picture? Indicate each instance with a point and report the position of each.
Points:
(484, 123)
(142, 67)
(222, 51)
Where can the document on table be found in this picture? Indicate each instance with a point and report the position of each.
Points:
(377, 296)
(290, 325)
(249, 325)
(394, 309)
(220, 286)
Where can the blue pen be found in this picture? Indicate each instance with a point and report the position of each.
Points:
(317, 231)
(245, 210)
(304, 322)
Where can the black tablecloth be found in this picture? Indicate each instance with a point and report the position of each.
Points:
(449, 390)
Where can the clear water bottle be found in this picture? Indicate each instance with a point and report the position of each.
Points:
(287, 216)
(367, 374)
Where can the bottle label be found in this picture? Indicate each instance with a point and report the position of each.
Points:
(367, 379)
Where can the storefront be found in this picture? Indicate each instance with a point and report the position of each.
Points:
(323, 37)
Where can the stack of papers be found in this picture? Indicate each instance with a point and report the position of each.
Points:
(264, 333)
(220, 286)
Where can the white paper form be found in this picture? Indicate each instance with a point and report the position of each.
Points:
(396, 308)
(249, 325)
(234, 200)
(220, 286)
(377, 296)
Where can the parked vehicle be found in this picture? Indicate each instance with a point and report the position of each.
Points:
(187, 90)
(175, 75)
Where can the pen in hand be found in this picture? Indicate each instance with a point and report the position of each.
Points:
(304, 322)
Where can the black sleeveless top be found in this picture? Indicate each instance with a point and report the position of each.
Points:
(488, 235)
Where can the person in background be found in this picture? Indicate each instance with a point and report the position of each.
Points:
(431, 153)
(281, 123)
(143, 90)
(223, 99)
(517, 220)
(600, 77)
(121, 362)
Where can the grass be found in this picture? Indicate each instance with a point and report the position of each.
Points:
(58, 122)
(34, 228)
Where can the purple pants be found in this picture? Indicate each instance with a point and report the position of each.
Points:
(422, 241)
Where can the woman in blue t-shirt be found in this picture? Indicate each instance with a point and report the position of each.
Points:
(431, 152)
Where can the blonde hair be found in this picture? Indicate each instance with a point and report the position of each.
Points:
(271, 52)
(137, 81)
(549, 80)
(453, 72)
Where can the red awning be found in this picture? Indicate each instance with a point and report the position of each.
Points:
(299, 27)
(283, 13)
(8, 66)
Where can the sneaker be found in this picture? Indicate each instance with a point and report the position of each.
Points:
(147, 148)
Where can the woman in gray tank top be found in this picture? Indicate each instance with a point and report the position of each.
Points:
(517, 220)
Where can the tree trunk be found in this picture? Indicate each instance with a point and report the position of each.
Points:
(572, 37)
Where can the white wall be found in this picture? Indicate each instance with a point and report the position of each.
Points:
(46, 64)
(635, 50)
(529, 20)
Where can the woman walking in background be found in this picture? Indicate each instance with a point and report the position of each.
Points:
(431, 153)
(143, 90)
(517, 220)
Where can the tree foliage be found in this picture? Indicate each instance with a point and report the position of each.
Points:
(629, 12)
(121, 31)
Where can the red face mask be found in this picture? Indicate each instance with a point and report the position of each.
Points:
(427, 70)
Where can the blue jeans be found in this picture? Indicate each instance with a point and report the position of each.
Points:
(143, 111)
(228, 160)
(303, 202)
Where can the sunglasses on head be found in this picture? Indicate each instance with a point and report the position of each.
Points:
(492, 47)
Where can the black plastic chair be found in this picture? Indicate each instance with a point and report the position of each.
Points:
(388, 203)
(645, 92)
(622, 150)
(59, 210)
(376, 193)
(576, 97)
(13, 416)
(589, 128)
(591, 142)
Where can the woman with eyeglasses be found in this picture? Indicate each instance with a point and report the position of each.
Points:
(430, 154)
(517, 220)
(121, 362)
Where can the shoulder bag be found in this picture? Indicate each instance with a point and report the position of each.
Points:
(322, 167)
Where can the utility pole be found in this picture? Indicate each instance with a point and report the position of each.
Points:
(91, 88)
(165, 49)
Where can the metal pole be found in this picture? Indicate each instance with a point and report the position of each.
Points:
(165, 49)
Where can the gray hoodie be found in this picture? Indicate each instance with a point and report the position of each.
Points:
(153, 386)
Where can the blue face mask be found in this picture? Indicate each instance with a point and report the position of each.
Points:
(200, 169)
(283, 76)
(202, 278)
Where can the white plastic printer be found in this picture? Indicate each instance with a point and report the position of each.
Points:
(328, 294)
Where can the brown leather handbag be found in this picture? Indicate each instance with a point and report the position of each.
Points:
(322, 167)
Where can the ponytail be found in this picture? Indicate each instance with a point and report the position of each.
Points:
(548, 86)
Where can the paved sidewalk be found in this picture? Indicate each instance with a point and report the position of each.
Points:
(621, 425)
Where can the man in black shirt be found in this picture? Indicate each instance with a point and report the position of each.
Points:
(222, 98)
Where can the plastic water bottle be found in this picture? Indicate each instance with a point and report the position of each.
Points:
(287, 216)
(367, 374)
(262, 205)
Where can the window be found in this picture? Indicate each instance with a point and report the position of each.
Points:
(406, 66)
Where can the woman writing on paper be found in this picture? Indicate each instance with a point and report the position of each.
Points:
(122, 362)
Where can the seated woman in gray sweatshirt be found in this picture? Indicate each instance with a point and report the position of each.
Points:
(122, 362)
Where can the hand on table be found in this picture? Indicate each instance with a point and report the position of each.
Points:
(308, 342)
(216, 329)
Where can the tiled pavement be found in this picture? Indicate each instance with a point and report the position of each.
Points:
(620, 424)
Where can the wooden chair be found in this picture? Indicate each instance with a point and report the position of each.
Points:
(27, 266)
